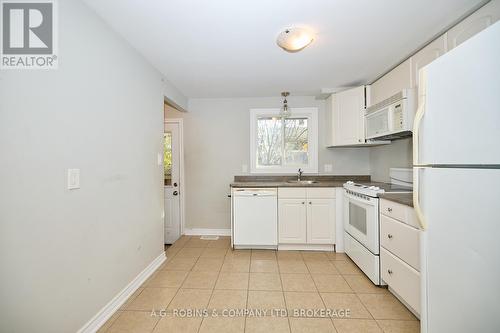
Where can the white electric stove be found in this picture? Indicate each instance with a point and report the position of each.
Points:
(361, 219)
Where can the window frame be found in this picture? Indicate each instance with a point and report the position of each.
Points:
(311, 113)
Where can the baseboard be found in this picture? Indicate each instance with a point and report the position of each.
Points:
(203, 232)
(109, 309)
(415, 313)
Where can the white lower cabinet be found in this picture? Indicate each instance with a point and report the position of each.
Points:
(292, 219)
(320, 215)
(400, 252)
(306, 216)
(402, 278)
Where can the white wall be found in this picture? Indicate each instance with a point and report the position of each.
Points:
(217, 144)
(398, 154)
(174, 95)
(65, 254)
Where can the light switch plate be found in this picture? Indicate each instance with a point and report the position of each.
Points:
(73, 179)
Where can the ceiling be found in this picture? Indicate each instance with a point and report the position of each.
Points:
(227, 48)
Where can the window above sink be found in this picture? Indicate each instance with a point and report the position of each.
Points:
(283, 145)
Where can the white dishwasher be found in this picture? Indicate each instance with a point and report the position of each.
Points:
(255, 218)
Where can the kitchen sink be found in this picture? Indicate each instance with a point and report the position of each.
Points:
(302, 181)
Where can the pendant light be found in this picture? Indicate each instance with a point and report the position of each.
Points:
(285, 111)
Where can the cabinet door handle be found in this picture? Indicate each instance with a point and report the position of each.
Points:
(310, 202)
(303, 202)
(389, 209)
(389, 271)
(389, 236)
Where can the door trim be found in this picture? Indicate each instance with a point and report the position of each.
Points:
(182, 187)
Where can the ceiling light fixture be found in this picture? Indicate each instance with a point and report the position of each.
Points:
(294, 39)
(285, 111)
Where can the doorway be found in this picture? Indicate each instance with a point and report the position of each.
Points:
(173, 179)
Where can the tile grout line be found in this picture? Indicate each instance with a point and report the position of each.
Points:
(317, 289)
(212, 293)
(284, 298)
(180, 285)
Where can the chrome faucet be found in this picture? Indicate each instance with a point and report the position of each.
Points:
(299, 175)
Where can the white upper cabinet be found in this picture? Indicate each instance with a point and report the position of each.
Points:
(426, 55)
(392, 83)
(406, 74)
(345, 114)
(478, 21)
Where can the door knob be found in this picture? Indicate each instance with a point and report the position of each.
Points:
(175, 193)
(389, 271)
(389, 209)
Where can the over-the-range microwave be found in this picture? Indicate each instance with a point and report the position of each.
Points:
(392, 118)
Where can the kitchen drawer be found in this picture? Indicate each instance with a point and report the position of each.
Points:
(364, 259)
(403, 279)
(399, 212)
(401, 239)
(292, 192)
(320, 193)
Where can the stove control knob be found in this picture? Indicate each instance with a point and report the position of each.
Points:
(350, 182)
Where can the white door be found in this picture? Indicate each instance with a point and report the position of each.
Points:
(171, 161)
(321, 221)
(292, 221)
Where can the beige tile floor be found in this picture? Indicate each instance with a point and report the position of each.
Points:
(202, 274)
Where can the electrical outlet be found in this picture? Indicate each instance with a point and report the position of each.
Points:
(73, 179)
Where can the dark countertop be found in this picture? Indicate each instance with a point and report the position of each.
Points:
(286, 184)
(402, 198)
(282, 181)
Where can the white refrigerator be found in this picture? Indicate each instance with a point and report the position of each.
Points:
(456, 155)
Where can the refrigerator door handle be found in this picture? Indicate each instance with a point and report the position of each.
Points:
(417, 168)
(419, 115)
(416, 154)
(416, 199)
